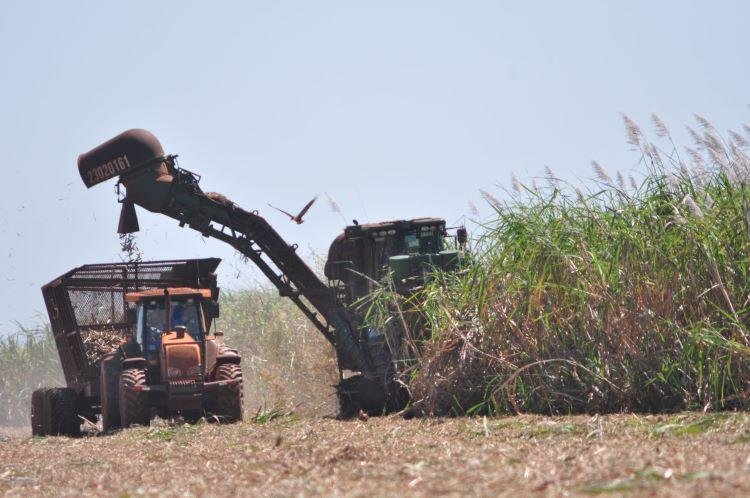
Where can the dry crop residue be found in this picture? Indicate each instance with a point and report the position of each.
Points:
(99, 342)
(686, 454)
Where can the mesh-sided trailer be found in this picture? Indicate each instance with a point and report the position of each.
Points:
(89, 317)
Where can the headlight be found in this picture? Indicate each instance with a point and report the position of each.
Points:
(173, 372)
(194, 370)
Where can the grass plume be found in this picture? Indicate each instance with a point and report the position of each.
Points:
(602, 302)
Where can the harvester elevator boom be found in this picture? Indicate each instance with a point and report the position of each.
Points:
(153, 181)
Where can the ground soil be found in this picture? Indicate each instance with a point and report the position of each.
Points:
(676, 455)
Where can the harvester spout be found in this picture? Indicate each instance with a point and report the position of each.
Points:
(137, 157)
(128, 218)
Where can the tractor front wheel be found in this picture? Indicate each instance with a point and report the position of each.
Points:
(134, 407)
(64, 411)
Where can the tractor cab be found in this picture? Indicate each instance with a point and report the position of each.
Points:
(171, 332)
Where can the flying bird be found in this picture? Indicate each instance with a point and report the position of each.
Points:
(298, 218)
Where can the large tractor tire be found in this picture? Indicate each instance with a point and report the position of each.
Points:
(109, 390)
(229, 400)
(39, 417)
(374, 396)
(134, 407)
(64, 412)
(54, 412)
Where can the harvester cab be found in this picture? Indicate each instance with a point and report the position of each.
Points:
(363, 255)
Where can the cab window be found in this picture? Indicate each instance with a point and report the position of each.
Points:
(152, 321)
(186, 312)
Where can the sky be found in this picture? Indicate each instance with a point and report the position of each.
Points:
(394, 109)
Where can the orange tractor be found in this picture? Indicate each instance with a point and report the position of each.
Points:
(129, 354)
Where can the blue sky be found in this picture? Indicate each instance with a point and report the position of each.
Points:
(395, 109)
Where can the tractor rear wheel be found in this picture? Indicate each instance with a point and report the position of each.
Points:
(39, 417)
(109, 386)
(60, 409)
(229, 400)
(134, 407)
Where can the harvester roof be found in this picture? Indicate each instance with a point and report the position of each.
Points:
(396, 224)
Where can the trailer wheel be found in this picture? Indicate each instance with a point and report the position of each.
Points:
(134, 407)
(61, 407)
(39, 416)
(109, 386)
(229, 399)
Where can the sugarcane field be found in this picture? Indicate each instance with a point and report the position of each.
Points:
(398, 249)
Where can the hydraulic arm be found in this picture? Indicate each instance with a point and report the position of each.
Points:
(250, 234)
(153, 181)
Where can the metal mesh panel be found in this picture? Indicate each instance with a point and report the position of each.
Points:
(92, 307)
(127, 274)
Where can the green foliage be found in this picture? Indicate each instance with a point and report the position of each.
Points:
(28, 360)
(161, 434)
(131, 253)
(287, 364)
(602, 301)
(264, 416)
(679, 427)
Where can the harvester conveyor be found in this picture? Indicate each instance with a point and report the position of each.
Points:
(154, 181)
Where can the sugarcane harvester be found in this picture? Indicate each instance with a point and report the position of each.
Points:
(153, 181)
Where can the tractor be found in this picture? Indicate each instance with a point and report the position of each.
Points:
(134, 340)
